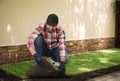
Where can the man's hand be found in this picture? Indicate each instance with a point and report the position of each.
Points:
(62, 69)
(38, 60)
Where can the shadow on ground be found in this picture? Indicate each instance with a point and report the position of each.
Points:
(48, 73)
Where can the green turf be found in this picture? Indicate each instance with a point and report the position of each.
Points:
(81, 63)
(19, 69)
(93, 61)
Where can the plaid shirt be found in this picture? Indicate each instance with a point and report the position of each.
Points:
(51, 39)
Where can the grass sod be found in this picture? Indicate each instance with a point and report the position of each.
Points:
(91, 61)
(18, 69)
(84, 62)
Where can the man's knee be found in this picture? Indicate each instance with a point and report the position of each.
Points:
(39, 39)
(67, 59)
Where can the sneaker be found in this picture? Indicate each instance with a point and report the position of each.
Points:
(54, 63)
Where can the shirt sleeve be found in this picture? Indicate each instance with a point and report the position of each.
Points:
(62, 43)
(33, 36)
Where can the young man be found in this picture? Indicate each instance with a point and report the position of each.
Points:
(49, 40)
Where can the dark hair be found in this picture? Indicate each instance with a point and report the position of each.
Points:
(52, 20)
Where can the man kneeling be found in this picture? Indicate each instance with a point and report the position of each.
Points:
(49, 40)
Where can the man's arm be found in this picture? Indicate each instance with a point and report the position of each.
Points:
(62, 53)
(32, 37)
(62, 46)
(32, 50)
(31, 46)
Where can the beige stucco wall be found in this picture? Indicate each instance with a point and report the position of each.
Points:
(81, 19)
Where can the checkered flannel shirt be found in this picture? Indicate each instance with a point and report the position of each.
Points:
(51, 39)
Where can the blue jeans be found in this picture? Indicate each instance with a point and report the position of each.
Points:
(42, 50)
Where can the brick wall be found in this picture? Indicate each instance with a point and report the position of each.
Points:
(19, 53)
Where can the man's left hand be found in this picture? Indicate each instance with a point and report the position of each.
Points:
(62, 69)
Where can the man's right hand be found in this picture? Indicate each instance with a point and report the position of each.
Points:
(38, 60)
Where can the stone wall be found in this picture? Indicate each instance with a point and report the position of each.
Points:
(12, 54)
(19, 53)
(78, 46)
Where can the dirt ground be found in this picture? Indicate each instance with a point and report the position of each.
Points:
(48, 73)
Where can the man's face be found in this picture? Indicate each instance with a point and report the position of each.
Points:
(50, 28)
